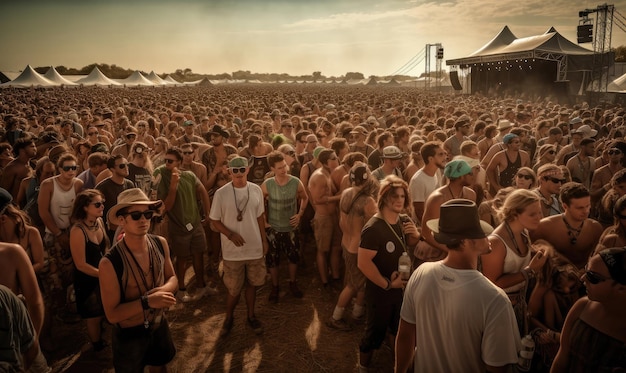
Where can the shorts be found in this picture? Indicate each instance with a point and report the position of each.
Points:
(187, 244)
(235, 272)
(136, 347)
(327, 232)
(281, 242)
(354, 276)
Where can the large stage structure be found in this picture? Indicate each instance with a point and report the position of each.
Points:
(541, 64)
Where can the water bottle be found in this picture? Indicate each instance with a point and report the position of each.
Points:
(525, 359)
(404, 266)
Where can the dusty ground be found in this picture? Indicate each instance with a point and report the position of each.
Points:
(296, 338)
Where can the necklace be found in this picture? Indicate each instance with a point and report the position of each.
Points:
(514, 240)
(572, 232)
(144, 281)
(452, 194)
(395, 233)
(243, 209)
(92, 227)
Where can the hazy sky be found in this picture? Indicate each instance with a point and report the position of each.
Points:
(291, 36)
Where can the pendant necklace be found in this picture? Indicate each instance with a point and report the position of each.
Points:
(143, 276)
(572, 232)
(452, 194)
(243, 209)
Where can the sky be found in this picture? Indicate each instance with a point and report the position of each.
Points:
(298, 37)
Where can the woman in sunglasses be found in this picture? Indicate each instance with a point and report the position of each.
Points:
(88, 243)
(525, 178)
(594, 335)
(545, 155)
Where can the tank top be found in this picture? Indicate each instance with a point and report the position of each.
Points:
(93, 253)
(508, 174)
(61, 205)
(282, 203)
(513, 263)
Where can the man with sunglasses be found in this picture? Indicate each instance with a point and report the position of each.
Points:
(112, 186)
(461, 130)
(129, 137)
(56, 198)
(217, 154)
(238, 214)
(572, 233)
(550, 180)
(180, 191)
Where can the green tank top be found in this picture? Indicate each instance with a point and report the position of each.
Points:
(282, 203)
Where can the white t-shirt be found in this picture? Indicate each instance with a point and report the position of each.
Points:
(223, 209)
(462, 321)
(422, 185)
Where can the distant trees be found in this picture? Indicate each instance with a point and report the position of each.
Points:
(620, 53)
(351, 75)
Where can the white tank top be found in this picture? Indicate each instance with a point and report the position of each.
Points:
(513, 263)
(61, 205)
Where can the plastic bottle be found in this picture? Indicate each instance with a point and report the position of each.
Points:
(404, 266)
(525, 359)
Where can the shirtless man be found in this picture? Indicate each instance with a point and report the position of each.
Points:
(460, 176)
(503, 167)
(357, 206)
(582, 165)
(135, 304)
(572, 233)
(325, 223)
(215, 156)
(24, 150)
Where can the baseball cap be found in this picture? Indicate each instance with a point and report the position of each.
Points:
(456, 168)
(238, 162)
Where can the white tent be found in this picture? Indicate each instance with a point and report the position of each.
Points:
(53, 75)
(97, 78)
(136, 80)
(29, 78)
(171, 80)
(154, 78)
(619, 84)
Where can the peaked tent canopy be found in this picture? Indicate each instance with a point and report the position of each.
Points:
(136, 79)
(53, 75)
(154, 78)
(171, 80)
(546, 63)
(97, 78)
(29, 78)
(618, 84)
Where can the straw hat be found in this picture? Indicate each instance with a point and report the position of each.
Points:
(133, 197)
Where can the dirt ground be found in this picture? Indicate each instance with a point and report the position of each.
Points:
(295, 337)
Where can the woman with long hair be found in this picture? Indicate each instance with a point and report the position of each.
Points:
(545, 154)
(15, 228)
(88, 243)
(158, 153)
(511, 265)
(525, 178)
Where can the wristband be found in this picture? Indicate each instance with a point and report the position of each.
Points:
(144, 302)
(388, 283)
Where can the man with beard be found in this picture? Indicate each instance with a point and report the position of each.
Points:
(582, 165)
(216, 155)
(427, 179)
(550, 178)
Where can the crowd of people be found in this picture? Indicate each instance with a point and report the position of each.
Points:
(511, 210)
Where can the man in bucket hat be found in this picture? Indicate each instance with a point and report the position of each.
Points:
(137, 283)
(477, 332)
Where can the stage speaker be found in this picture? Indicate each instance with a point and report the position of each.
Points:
(454, 79)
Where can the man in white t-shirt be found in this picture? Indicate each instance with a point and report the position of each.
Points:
(237, 213)
(427, 178)
(453, 319)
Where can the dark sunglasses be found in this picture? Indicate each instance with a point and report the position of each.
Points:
(614, 152)
(527, 177)
(169, 160)
(122, 166)
(130, 135)
(188, 153)
(239, 170)
(92, 133)
(288, 126)
(555, 180)
(594, 278)
(68, 168)
(136, 215)
(98, 204)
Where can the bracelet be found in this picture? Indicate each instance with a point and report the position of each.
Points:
(144, 302)
(388, 283)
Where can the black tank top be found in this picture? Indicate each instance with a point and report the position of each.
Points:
(507, 176)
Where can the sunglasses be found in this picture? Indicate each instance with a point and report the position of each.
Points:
(92, 133)
(122, 166)
(594, 278)
(98, 204)
(289, 126)
(188, 153)
(68, 168)
(524, 176)
(291, 154)
(614, 152)
(239, 170)
(130, 135)
(136, 215)
(169, 160)
(555, 180)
